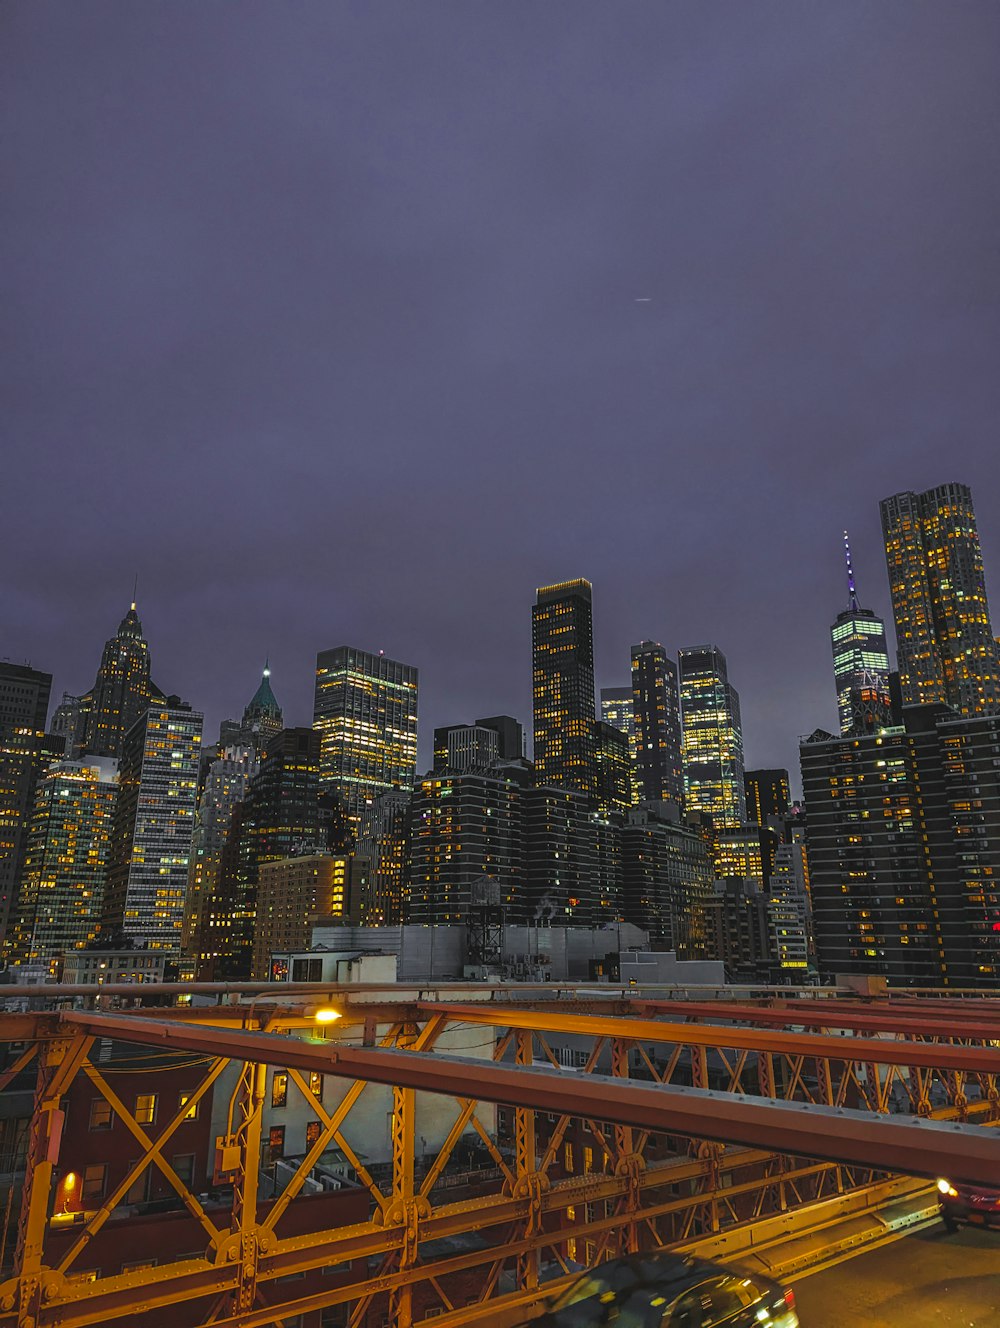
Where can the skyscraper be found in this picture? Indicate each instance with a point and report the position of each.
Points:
(365, 713)
(281, 816)
(62, 886)
(860, 663)
(946, 647)
(903, 839)
(150, 848)
(510, 735)
(69, 722)
(465, 747)
(384, 841)
(465, 826)
(613, 791)
(667, 877)
(225, 786)
(293, 892)
(24, 703)
(121, 691)
(789, 910)
(768, 795)
(262, 719)
(712, 745)
(563, 686)
(617, 709)
(656, 707)
(562, 882)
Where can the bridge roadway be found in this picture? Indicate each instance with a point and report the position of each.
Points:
(928, 1279)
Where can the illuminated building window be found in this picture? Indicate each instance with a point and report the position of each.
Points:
(279, 1089)
(145, 1108)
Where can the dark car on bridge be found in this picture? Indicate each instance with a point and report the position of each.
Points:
(664, 1290)
(975, 1205)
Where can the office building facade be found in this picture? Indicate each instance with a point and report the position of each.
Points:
(946, 648)
(563, 694)
(293, 894)
(384, 841)
(24, 752)
(561, 882)
(667, 877)
(712, 742)
(281, 816)
(365, 714)
(768, 794)
(903, 841)
(789, 911)
(613, 771)
(61, 898)
(657, 717)
(465, 827)
(617, 709)
(150, 850)
(465, 747)
(225, 785)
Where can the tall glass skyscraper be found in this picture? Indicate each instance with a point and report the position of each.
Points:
(150, 847)
(947, 651)
(24, 703)
(655, 705)
(62, 888)
(562, 638)
(860, 663)
(617, 710)
(365, 712)
(122, 690)
(712, 743)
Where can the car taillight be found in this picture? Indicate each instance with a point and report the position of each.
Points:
(790, 1298)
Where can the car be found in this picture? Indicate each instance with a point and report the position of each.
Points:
(976, 1204)
(660, 1289)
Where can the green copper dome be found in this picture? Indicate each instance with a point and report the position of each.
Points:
(264, 701)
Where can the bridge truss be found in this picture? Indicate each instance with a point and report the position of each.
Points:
(679, 1118)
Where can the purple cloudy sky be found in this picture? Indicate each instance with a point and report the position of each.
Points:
(325, 318)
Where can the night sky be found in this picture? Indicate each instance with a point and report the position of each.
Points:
(352, 323)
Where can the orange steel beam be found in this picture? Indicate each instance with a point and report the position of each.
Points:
(860, 1138)
(979, 1006)
(880, 1051)
(53, 991)
(829, 1014)
(76, 1305)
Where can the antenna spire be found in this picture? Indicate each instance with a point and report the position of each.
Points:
(135, 590)
(851, 587)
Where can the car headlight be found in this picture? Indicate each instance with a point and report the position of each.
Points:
(946, 1187)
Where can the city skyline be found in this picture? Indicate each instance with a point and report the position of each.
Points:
(782, 746)
(365, 360)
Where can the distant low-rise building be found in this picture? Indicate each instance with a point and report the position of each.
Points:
(293, 892)
(99, 968)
